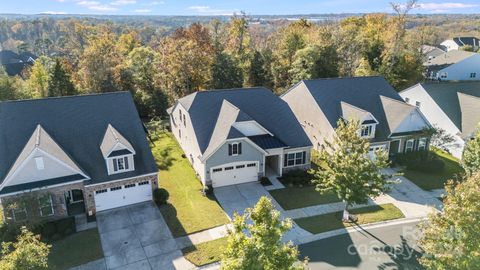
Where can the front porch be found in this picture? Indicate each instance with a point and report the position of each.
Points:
(74, 202)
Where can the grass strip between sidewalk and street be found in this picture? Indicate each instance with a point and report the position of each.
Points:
(205, 253)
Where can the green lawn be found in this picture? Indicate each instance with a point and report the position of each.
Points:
(188, 210)
(332, 221)
(299, 197)
(74, 250)
(429, 181)
(205, 253)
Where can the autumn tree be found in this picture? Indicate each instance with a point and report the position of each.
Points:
(451, 239)
(60, 83)
(471, 155)
(313, 62)
(255, 243)
(37, 81)
(347, 169)
(27, 253)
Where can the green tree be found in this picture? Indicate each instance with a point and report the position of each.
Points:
(257, 75)
(451, 239)
(347, 169)
(37, 81)
(60, 83)
(471, 155)
(225, 73)
(314, 62)
(7, 87)
(255, 242)
(27, 253)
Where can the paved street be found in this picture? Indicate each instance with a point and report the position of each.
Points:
(388, 247)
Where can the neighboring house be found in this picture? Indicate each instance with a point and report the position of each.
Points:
(430, 52)
(457, 43)
(238, 135)
(454, 66)
(14, 63)
(386, 120)
(73, 154)
(452, 106)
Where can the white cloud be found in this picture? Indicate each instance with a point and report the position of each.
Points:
(94, 5)
(53, 12)
(206, 10)
(123, 2)
(153, 3)
(142, 10)
(445, 7)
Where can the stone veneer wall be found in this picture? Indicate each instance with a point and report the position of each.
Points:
(58, 199)
(90, 190)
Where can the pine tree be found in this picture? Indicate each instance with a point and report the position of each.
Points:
(225, 73)
(346, 168)
(60, 83)
(257, 76)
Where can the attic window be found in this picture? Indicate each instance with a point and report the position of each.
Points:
(367, 131)
(473, 75)
(39, 163)
(120, 164)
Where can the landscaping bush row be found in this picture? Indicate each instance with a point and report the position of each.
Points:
(297, 178)
(49, 231)
(422, 161)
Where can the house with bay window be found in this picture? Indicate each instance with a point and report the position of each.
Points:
(73, 155)
(386, 120)
(236, 136)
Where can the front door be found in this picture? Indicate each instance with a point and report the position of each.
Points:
(74, 202)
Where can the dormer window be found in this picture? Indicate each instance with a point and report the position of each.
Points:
(120, 164)
(118, 152)
(367, 131)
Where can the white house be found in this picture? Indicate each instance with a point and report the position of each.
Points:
(457, 43)
(453, 66)
(452, 106)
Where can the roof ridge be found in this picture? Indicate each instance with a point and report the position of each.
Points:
(472, 96)
(398, 101)
(64, 97)
(344, 78)
(351, 105)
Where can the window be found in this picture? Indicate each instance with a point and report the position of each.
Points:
(407, 100)
(46, 205)
(417, 104)
(39, 163)
(217, 170)
(251, 165)
(473, 75)
(422, 144)
(444, 75)
(179, 133)
(184, 120)
(180, 114)
(409, 145)
(240, 166)
(366, 131)
(129, 185)
(19, 214)
(294, 159)
(100, 191)
(235, 149)
(228, 168)
(115, 188)
(120, 164)
(143, 183)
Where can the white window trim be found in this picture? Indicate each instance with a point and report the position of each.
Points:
(51, 207)
(424, 146)
(406, 145)
(371, 133)
(294, 159)
(110, 161)
(235, 154)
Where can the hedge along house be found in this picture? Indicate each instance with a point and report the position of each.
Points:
(386, 120)
(72, 155)
(238, 135)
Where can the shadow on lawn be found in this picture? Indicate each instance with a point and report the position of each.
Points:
(164, 159)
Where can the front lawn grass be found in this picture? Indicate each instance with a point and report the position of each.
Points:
(429, 181)
(299, 197)
(365, 215)
(205, 253)
(75, 250)
(188, 210)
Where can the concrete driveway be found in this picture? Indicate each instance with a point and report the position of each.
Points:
(137, 238)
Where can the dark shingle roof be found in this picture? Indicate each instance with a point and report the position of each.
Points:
(38, 184)
(267, 141)
(362, 92)
(462, 41)
(78, 125)
(259, 104)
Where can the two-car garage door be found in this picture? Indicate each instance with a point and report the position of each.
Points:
(122, 195)
(234, 173)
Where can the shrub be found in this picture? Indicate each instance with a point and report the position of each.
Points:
(265, 181)
(160, 195)
(56, 229)
(296, 177)
(421, 161)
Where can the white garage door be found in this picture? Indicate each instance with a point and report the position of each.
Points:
(235, 173)
(122, 195)
(373, 148)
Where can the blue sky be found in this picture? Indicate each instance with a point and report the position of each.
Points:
(225, 7)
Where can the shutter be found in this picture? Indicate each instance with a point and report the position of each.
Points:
(229, 149)
(115, 168)
(285, 161)
(304, 158)
(240, 148)
(404, 146)
(126, 163)
(415, 145)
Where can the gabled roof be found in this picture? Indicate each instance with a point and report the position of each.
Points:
(111, 139)
(448, 58)
(462, 41)
(213, 112)
(78, 125)
(370, 94)
(458, 101)
(350, 112)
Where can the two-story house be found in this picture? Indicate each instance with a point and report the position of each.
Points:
(72, 155)
(453, 66)
(386, 120)
(238, 135)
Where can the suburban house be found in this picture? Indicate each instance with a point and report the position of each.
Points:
(453, 66)
(386, 120)
(14, 63)
(73, 155)
(452, 106)
(457, 43)
(238, 135)
(430, 52)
